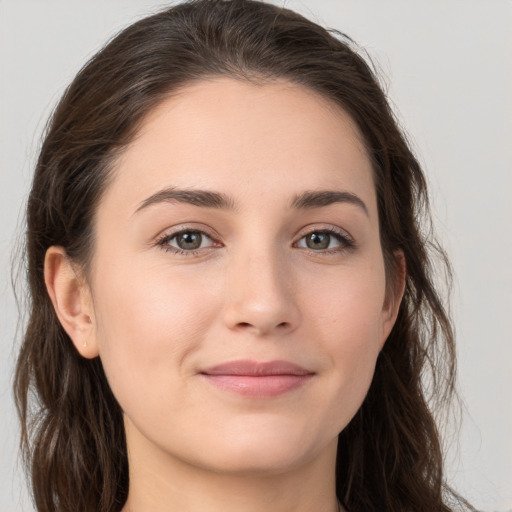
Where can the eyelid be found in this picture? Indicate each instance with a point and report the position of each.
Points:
(192, 226)
(324, 228)
(346, 240)
(168, 234)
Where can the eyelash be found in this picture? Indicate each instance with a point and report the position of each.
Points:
(163, 242)
(346, 242)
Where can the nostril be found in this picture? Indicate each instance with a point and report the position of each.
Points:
(248, 324)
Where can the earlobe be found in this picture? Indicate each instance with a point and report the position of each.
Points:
(394, 294)
(71, 300)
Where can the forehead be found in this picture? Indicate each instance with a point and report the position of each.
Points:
(249, 138)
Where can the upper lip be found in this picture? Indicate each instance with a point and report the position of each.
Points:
(256, 368)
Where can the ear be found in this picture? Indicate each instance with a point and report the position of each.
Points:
(71, 299)
(394, 294)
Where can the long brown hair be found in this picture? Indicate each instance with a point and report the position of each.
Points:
(389, 456)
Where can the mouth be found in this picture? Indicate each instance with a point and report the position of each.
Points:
(257, 379)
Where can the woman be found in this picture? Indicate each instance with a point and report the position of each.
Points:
(233, 302)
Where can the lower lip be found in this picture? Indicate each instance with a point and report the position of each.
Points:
(262, 386)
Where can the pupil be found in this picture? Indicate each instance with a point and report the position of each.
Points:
(318, 241)
(189, 240)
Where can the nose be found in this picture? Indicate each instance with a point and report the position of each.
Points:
(261, 299)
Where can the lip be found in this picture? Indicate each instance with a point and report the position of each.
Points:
(257, 379)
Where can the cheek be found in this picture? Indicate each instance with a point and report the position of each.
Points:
(148, 323)
(350, 306)
(347, 321)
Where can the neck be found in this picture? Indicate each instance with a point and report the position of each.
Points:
(162, 483)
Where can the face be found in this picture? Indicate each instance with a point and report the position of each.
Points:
(238, 284)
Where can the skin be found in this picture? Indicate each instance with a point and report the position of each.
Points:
(253, 290)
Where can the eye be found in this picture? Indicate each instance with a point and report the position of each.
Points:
(186, 241)
(325, 240)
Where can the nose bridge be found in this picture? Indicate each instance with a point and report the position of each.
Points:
(260, 294)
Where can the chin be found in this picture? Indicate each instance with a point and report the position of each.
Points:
(258, 462)
(263, 452)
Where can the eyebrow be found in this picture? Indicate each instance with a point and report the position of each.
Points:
(209, 199)
(318, 199)
(204, 198)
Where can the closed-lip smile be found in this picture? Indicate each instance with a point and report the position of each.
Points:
(257, 379)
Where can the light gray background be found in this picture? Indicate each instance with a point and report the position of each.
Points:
(448, 66)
